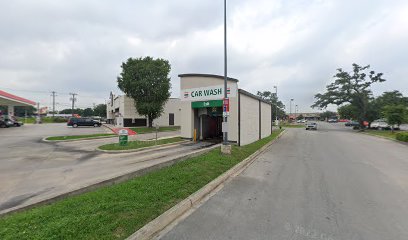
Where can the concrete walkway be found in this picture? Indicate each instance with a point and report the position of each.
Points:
(43, 170)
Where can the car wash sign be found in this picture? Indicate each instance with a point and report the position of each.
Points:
(207, 93)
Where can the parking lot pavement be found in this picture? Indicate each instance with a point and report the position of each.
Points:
(32, 170)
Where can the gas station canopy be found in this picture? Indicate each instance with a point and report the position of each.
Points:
(11, 101)
(8, 99)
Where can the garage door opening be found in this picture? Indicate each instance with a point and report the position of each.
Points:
(208, 120)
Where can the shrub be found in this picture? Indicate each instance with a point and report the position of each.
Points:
(402, 136)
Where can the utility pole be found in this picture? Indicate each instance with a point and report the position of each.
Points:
(290, 110)
(53, 103)
(276, 104)
(73, 99)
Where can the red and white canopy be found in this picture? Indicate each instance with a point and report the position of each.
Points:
(8, 99)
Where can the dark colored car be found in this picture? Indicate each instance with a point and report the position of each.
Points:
(77, 122)
(15, 122)
(352, 124)
(5, 123)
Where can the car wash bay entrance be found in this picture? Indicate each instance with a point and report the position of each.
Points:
(208, 119)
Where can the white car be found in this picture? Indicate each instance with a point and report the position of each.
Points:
(381, 124)
(311, 125)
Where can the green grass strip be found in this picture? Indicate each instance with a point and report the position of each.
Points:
(58, 138)
(292, 126)
(383, 133)
(140, 144)
(142, 130)
(115, 212)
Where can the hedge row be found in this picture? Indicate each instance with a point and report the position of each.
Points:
(402, 136)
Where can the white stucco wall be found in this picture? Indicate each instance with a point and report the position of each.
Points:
(265, 119)
(187, 113)
(127, 109)
(249, 120)
(171, 106)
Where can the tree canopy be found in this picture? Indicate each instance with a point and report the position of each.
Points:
(147, 81)
(276, 103)
(352, 88)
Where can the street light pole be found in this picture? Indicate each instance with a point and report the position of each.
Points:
(290, 111)
(296, 110)
(225, 142)
(276, 104)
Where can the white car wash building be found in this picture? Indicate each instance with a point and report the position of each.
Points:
(249, 119)
(121, 112)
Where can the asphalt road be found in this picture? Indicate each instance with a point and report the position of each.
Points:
(32, 170)
(330, 184)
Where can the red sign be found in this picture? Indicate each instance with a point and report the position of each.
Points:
(226, 104)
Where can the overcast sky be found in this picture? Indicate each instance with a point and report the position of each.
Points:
(78, 46)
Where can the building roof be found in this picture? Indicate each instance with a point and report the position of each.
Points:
(206, 75)
(13, 98)
(253, 96)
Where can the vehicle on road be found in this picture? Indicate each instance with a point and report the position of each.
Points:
(301, 121)
(311, 125)
(332, 120)
(78, 122)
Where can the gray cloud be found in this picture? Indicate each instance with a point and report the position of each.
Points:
(78, 46)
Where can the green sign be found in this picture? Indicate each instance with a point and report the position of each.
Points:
(123, 140)
(206, 104)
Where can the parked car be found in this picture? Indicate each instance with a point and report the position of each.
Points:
(352, 124)
(332, 120)
(301, 121)
(77, 122)
(15, 123)
(311, 125)
(381, 124)
(5, 123)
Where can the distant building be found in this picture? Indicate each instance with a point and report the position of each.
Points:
(307, 116)
(121, 112)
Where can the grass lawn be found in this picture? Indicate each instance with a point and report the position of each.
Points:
(383, 133)
(293, 126)
(139, 144)
(115, 212)
(56, 138)
(141, 130)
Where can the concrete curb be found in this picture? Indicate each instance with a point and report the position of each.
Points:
(77, 140)
(109, 182)
(154, 227)
(159, 147)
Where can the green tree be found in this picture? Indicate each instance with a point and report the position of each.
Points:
(69, 111)
(147, 81)
(395, 115)
(276, 103)
(300, 117)
(347, 111)
(352, 88)
(391, 98)
(87, 112)
(100, 110)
